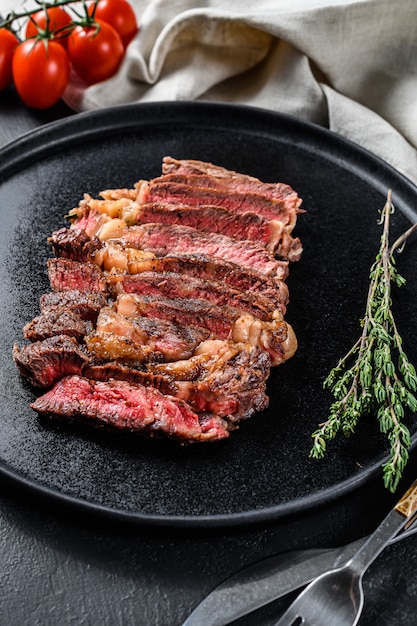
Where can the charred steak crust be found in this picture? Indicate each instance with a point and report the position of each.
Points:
(167, 303)
(44, 362)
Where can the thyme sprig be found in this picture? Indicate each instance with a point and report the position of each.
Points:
(381, 380)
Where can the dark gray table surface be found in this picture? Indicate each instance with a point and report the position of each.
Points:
(60, 567)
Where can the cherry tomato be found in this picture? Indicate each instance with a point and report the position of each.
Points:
(8, 44)
(95, 53)
(120, 15)
(58, 18)
(41, 71)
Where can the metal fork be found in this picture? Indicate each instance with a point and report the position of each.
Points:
(336, 597)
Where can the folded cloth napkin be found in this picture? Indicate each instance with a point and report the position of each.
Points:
(350, 66)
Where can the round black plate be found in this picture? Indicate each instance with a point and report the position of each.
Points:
(263, 470)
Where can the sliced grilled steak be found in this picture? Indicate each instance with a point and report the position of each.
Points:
(173, 285)
(57, 322)
(65, 274)
(247, 226)
(214, 219)
(129, 407)
(232, 387)
(213, 268)
(82, 303)
(162, 239)
(167, 304)
(118, 337)
(232, 180)
(44, 362)
(118, 257)
(246, 202)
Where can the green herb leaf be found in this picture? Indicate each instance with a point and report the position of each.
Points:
(366, 381)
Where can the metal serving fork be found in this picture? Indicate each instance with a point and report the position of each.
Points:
(336, 597)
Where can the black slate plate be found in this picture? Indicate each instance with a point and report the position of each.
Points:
(262, 471)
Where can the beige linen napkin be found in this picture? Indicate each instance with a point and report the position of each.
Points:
(348, 65)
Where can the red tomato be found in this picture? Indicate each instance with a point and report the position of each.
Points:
(120, 15)
(8, 43)
(41, 71)
(58, 18)
(95, 53)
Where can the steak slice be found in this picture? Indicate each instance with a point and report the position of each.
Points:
(129, 407)
(162, 239)
(230, 179)
(119, 337)
(212, 268)
(57, 322)
(44, 362)
(276, 336)
(82, 303)
(65, 274)
(215, 219)
(162, 190)
(173, 285)
(219, 321)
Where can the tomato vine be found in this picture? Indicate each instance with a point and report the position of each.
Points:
(92, 39)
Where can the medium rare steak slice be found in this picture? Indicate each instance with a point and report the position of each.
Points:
(57, 322)
(65, 274)
(129, 407)
(119, 337)
(276, 336)
(162, 239)
(214, 219)
(82, 303)
(213, 268)
(246, 202)
(44, 362)
(218, 320)
(173, 285)
(232, 180)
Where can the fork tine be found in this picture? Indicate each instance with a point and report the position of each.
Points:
(291, 617)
